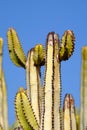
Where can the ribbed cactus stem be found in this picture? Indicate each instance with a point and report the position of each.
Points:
(4, 105)
(24, 111)
(69, 117)
(83, 108)
(33, 84)
(1, 96)
(51, 119)
(57, 85)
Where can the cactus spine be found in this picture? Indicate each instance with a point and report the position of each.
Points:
(46, 109)
(83, 108)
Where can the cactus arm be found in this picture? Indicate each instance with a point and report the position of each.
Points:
(69, 113)
(1, 96)
(33, 79)
(20, 114)
(83, 108)
(4, 100)
(25, 112)
(12, 54)
(67, 45)
(34, 62)
(15, 49)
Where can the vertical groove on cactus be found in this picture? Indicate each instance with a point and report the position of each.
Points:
(25, 112)
(33, 82)
(83, 108)
(15, 49)
(69, 113)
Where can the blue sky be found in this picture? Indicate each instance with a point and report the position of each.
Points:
(32, 21)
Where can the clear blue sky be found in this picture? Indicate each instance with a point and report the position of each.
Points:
(32, 21)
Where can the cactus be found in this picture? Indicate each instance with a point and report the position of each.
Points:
(15, 49)
(83, 108)
(69, 117)
(43, 104)
(3, 94)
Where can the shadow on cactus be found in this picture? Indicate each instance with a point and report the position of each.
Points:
(39, 106)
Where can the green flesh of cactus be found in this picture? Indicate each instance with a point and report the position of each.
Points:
(39, 55)
(83, 107)
(25, 112)
(15, 49)
(67, 45)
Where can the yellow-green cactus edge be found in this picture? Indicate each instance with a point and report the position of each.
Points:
(24, 111)
(15, 49)
(67, 45)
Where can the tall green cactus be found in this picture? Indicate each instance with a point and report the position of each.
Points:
(3, 94)
(45, 109)
(83, 107)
